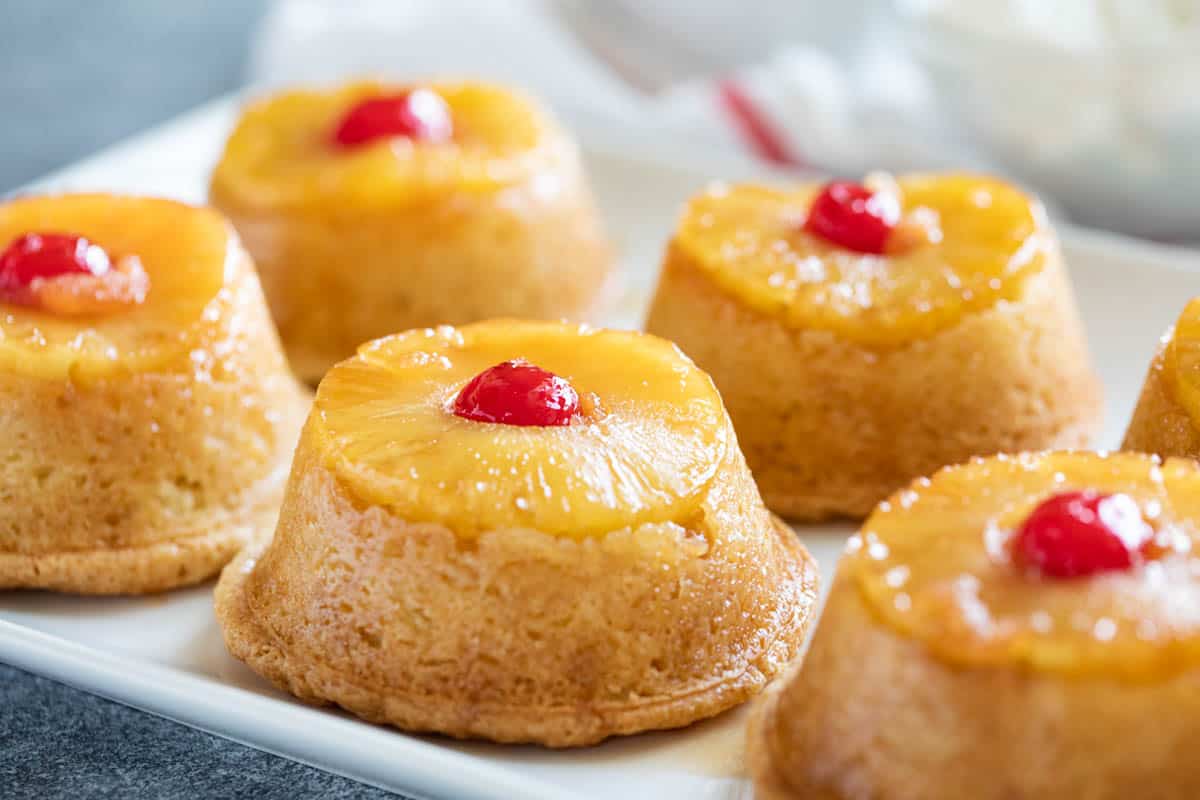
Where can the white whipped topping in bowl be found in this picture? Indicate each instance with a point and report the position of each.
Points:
(1074, 25)
(1091, 100)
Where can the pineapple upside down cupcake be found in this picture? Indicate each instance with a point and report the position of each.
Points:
(1167, 418)
(552, 550)
(145, 404)
(372, 209)
(862, 337)
(1016, 627)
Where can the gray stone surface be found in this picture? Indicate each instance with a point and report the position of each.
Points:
(57, 742)
(75, 76)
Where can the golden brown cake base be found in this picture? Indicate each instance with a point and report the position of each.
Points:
(554, 726)
(1160, 425)
(517, 636)
(870, 715)
(336, 281)
(830, 427)
(181, 561)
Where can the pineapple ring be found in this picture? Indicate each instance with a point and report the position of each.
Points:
(184, 250)
(646, 454)
(1183, 357)
(980, 239)
(281, 156)
(933, 562)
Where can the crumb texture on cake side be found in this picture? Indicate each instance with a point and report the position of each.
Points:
(1160, 424)
(830, 427)
(1165, 420)
(546, 659)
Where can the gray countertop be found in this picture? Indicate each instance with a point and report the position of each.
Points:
(56, 742)
(76, 76)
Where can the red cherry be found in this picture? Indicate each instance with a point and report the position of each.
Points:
(1081, 533)
(517, 393)
(420, 114)
(49, 255)
(852, 216)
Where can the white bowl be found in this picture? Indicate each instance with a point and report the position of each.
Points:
(1113, 133)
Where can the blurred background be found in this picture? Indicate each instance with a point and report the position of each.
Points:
(1091, 102)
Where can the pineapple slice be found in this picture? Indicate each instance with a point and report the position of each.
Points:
(283, 155)
(651, 436)
(123, 285)
(183, 251)
(935, 562)
(1183, 359)
(962, 244)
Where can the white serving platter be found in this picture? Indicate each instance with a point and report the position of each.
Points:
(164, 653)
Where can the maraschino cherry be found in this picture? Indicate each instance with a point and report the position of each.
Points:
(1075, 534)
(48, 256)
(68, 275)
(518, 393)
(420, 114)
(850, 215)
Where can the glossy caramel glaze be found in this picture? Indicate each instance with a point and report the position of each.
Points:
(281, 154)
(982, 238)
(186, 269)
(644, 449)
(934, 563)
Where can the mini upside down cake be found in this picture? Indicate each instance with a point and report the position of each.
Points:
(525, 532)
(146, 408)
(374, 208)
(864, 336)
(1016, 627)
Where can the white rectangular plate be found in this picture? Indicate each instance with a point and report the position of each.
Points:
(164, 654)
